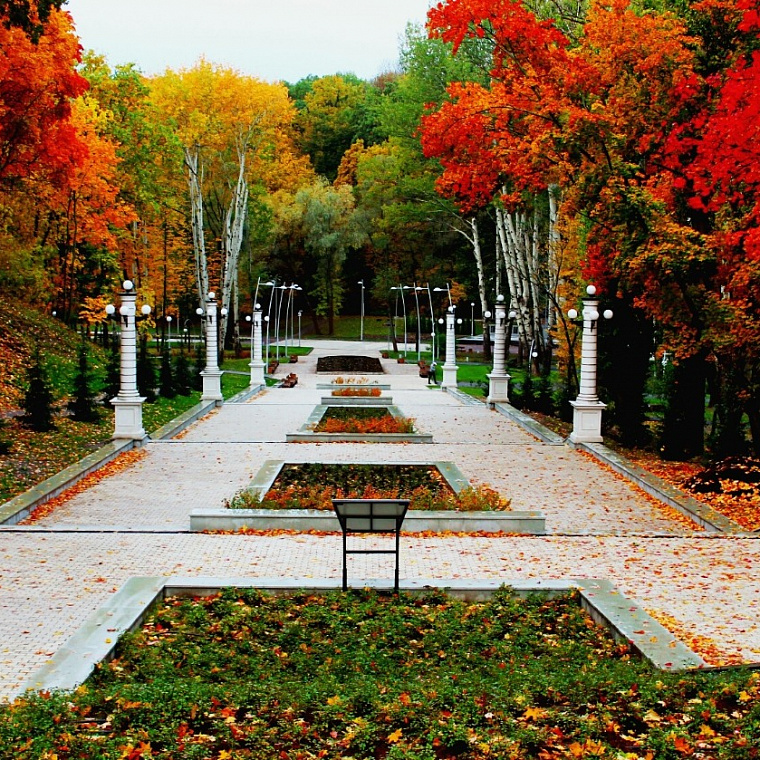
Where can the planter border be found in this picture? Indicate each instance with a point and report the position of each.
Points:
(97, 638)
(306, 433)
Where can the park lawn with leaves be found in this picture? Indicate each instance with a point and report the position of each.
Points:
(244, 674)
(313, 486)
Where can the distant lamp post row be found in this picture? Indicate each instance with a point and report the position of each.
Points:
(587, 408)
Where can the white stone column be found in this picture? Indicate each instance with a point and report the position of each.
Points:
(257, 361)
(128, 404)
(587, 409)
(498, 386)
(450, 366)
(212, 375)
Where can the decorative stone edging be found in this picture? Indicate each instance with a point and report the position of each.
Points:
(356, 401)
(97, 638)
(416, 521)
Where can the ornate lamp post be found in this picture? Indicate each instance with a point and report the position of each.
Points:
(450, 367)
(257, 361)
(587, 409)
(498, 388)
(128, 404)
(212, 375)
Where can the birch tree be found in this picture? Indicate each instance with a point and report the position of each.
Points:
(235, 131)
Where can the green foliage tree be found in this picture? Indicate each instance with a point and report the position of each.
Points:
(83, 405)
(113, 372)
(183, 381)
(329, 231)
(146, 372)
(336, 113)
(166, 380)
(38, 399)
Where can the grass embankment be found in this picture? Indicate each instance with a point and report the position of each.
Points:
(34, 456)
(248, 675)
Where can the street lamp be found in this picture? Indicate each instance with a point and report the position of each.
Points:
(169, 330)
(472, 319)
(257, 363)
(446, 290)
(211, 374)
(400, 288)
(587, 408)
(361, 319)
(299, 328)
(128, 402)
(498, 385)
(450, 367)
(417, 302)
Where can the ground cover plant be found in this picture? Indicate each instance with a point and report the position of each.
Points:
(369, 419)
(359, 675)
(313, 486)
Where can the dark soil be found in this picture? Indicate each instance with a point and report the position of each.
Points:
(350, 364)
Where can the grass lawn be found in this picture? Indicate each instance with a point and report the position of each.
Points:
(360, 675)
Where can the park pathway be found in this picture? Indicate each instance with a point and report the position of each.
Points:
(56, 571)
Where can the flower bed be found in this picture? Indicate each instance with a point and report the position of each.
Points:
(246, 674)
(338, 419)
(313, 486)
(356, 391)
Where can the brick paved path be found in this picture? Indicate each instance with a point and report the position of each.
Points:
(54, 573)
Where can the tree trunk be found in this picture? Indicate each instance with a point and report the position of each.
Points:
(195, 186)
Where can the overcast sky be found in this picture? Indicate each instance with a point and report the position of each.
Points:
(270, 39)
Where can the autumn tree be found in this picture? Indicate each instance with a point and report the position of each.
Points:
(335, 113)
(235, 132)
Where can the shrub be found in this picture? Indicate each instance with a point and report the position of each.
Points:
(38, 399)
(83, 405)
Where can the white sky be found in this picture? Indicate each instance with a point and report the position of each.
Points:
(270, 39)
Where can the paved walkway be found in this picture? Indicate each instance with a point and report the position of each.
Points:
(55, 572)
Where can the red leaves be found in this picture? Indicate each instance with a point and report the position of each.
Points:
(37, 84)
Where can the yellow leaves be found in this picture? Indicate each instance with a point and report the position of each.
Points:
(395, 736)
(589, 748)
(333, 701)
(534, 713)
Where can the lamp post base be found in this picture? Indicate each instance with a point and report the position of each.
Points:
(257, 373)
(128, 419)
(498, 389)
(212, 386)
(587, 421)
(449, 376)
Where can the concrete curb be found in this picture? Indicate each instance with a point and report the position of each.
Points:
(417, 521)
(178, 424)
(695, 510)
(708, 518)
(97, 638)
(20, 507)
(306, 433)
(527, 423)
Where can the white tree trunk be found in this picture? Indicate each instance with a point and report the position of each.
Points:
(232, 240)
(195, 186)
